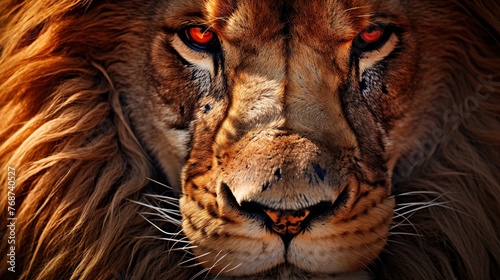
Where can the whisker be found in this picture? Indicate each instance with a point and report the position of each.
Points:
(205, 270)
(194, 259)
(217, 261)
(222, 270)
(417, 193)
(164, 239)
(161, 184)
(163, 212)
(229, 270)
(171, 203)
(153, 224)
(156, 207)
(185, 248)
(440, 204)
(161, 197)
(404, 233)
(158, 215)
(403, 224)
(406, 219)
(174, 240)
(396, 242)
(409, 205)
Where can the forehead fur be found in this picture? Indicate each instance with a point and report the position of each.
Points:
(333, 20)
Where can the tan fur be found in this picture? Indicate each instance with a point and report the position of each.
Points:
(94, 101)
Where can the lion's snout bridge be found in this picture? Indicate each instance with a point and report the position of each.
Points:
(284, 172)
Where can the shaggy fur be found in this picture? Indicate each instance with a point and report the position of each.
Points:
(81, 169)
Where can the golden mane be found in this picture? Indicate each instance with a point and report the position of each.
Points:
(80, 170)
(77, 161)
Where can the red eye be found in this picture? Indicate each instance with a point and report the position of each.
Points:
(372, 35)
(372, 38)
(200, 36)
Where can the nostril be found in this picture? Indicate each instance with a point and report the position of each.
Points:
(319, 171)
(255, 210)
(277, 174)
(252, 208)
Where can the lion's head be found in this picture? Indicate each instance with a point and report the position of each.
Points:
(271, 139)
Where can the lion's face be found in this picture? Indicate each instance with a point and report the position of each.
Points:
(289, 110)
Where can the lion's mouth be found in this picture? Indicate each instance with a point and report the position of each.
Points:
(287, 223)
(321, 236)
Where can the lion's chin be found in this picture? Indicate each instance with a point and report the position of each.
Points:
(287, 272)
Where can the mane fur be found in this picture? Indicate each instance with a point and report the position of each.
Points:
(79, 166)
(81, 171)
(448, 182)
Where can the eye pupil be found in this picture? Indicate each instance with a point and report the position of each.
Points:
(372, 35)
(200, 36)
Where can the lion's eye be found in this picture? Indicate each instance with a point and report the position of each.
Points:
(200, 39)
(372, 35)
(371, 38)
(200, 36)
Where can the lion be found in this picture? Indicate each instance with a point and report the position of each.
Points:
(250, 139)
